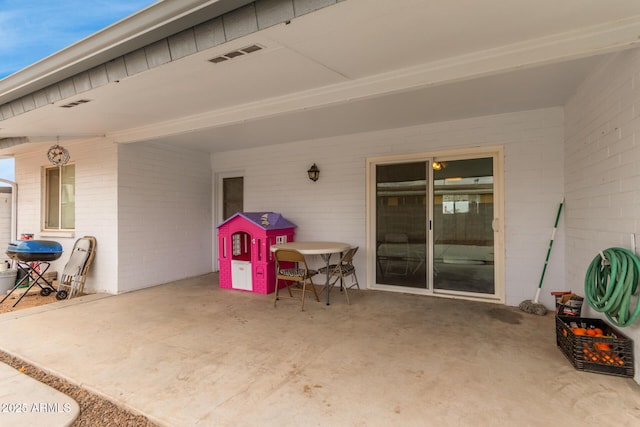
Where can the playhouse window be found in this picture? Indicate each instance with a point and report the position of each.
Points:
(237, 244)
(240, 246)
(259, 249)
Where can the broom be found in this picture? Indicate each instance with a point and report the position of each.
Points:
(534, 307)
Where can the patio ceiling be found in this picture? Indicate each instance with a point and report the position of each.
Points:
(355, 66)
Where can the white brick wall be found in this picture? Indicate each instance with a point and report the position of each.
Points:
(334, 208)
(602, 158)
(164, 214)
(96, 212)
(148, 206)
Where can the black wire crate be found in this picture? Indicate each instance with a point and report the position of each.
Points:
(610, 353)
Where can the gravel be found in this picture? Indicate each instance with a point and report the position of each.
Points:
(94, 410)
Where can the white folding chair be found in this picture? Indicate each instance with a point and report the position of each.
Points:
(75, 271)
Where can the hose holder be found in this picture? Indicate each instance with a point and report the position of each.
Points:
(611, 285)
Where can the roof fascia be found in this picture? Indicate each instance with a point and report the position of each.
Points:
(147, 26)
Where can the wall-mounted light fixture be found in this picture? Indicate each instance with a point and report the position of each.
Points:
(437, 166)
(314, 173)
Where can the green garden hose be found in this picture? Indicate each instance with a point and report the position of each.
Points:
(610, 282)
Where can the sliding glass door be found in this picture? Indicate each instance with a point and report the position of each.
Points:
(401, 224)
(434, 225)
(463, 236)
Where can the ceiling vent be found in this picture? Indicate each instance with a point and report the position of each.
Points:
(236, 53)
(75, 103)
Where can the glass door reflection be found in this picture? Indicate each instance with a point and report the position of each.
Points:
(401, 224)
(463, 212)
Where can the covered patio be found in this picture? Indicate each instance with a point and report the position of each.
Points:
(188, 353)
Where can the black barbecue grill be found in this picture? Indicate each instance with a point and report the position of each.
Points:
(33, 258)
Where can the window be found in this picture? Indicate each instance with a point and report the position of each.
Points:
(60, 197)
(232, 196)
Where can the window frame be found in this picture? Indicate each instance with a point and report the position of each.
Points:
(45, 198)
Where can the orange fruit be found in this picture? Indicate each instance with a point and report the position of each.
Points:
(591, 332)
(598, 331)
(579, 331)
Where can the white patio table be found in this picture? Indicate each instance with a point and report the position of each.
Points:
(324, 249)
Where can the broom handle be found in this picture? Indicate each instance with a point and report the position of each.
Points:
(546, 261)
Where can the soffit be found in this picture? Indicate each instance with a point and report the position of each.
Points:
(354, 66)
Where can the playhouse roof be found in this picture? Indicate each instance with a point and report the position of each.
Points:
(265, 220)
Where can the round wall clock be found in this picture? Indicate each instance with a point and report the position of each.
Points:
(58, 155)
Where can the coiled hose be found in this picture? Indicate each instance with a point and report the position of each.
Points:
(610, 282)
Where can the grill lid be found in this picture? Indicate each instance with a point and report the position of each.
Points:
(35, 246)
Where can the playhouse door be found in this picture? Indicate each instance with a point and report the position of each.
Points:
(241, 275)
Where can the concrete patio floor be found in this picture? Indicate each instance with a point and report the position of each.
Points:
(190, 354)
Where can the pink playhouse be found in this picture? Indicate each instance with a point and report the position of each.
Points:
(244, 250)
